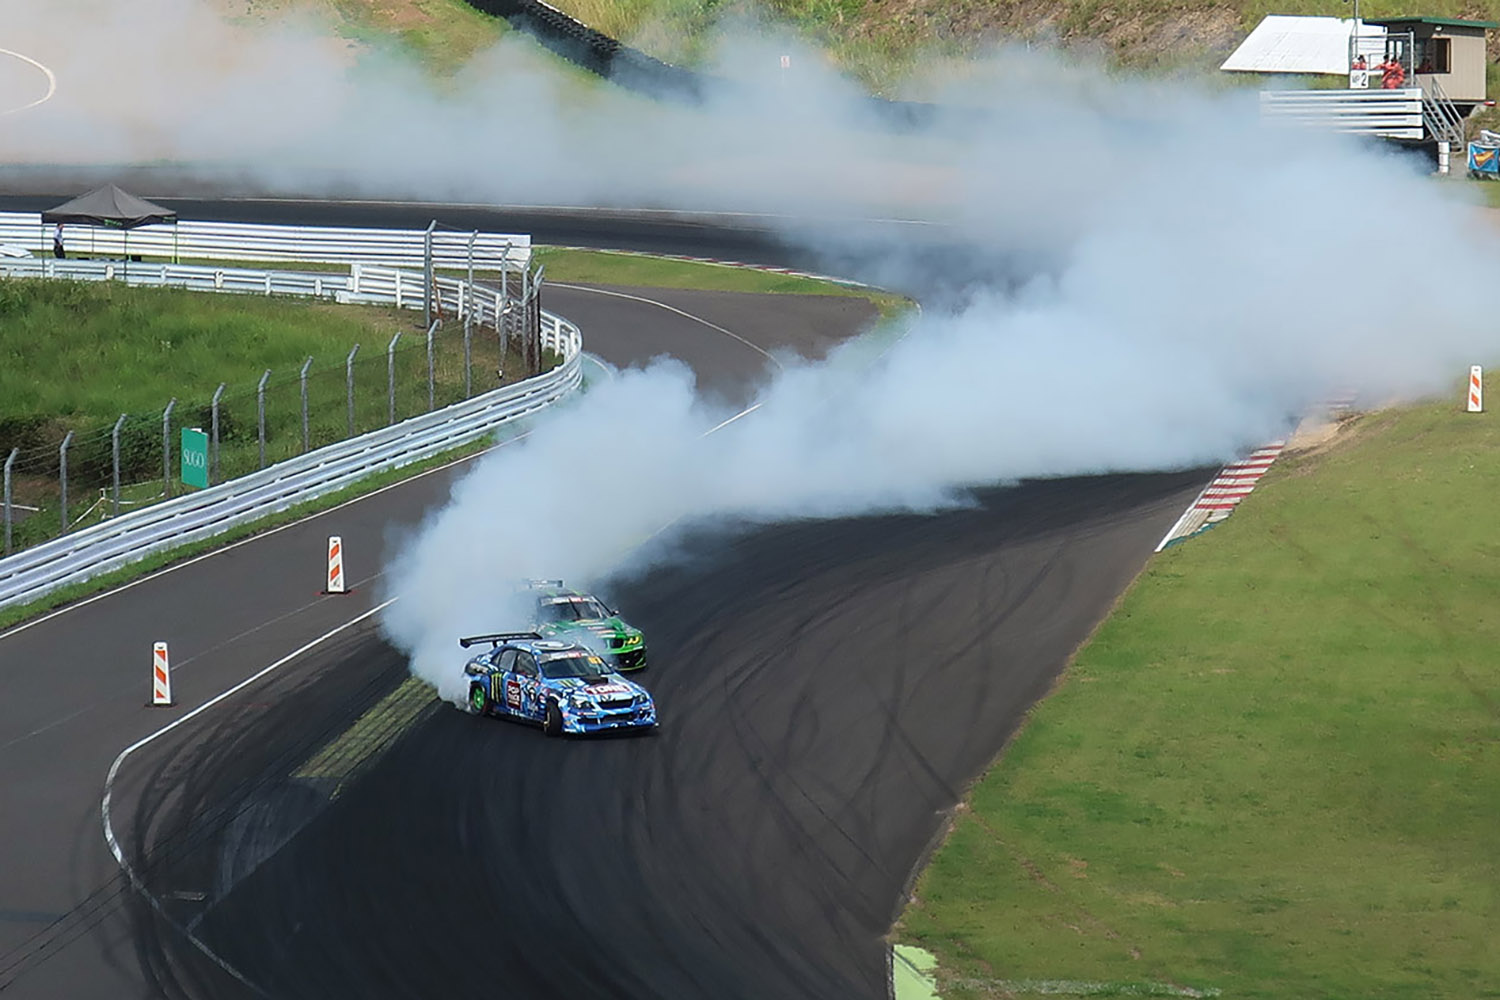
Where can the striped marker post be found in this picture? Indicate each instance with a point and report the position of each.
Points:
(161, 676)
(336, 566)
(1476, 389)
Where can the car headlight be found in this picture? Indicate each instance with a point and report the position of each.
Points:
(581, 701)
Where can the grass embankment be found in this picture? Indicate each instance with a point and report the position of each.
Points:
(1275, 770)
(879, 43)
(74, 356)
(882, 44)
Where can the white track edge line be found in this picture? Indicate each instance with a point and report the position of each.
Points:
(114, 770)
(154, 574)
(673, 309)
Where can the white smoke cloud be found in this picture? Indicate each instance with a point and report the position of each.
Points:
(1122, 273)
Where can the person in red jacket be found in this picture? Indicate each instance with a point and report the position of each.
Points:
(1392, 73)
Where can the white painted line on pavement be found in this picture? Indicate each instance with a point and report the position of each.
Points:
(252, 538)
(114, 770)
(672, 309)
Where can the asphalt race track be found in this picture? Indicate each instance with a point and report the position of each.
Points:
(827, 690)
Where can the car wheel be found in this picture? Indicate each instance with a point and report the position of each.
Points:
(553, 724)
(479, 701)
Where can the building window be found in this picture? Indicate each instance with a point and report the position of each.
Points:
(1433, 55)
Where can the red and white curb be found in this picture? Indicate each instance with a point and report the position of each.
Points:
(1238, 479)
(1219, 498)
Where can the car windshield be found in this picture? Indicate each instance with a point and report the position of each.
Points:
(572, 609)
(574, 663)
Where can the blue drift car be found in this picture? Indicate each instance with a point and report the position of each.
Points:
(562, 685)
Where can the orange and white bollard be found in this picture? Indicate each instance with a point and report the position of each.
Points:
(336, 566)
(1476, 389)
(161, 676)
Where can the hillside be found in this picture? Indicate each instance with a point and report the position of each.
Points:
(880, 40)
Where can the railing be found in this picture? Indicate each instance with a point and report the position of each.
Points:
(90, 551)
(123, 540)
(246, 241)
(1389, 114)
(363, 283)
(1440, 115)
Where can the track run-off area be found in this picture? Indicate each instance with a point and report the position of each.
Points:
(827, 689)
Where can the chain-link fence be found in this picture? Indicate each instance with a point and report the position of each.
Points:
(58, 478)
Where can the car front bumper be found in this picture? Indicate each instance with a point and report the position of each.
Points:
(629, 659)
(606, 721)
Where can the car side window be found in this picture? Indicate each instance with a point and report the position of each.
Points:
(504, 659)
(525, 664)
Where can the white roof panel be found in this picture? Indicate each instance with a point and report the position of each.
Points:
(1283, 43)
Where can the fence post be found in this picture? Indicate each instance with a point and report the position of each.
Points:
(468, 355)
(349, 384)
(8, 463)
(503, 332)
(303, 378)
(214, 423)
(260, 414)
(427, 271)
(390, 377)
(468, 300)
(166, 448)
(505, 274)
(536, 314)
(431, 370)
(114, 451)
(62, 476)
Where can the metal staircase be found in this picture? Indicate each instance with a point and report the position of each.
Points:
(1440, 116)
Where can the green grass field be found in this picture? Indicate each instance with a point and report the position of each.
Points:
(605, 268)
(1275, 770)
(90, 351)
(74, 356)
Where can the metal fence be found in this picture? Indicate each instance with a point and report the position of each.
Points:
(246, 241)
(204, 513)
(479, 339)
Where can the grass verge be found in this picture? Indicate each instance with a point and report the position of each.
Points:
(102, 348)
(604, 267)
(1275, 770)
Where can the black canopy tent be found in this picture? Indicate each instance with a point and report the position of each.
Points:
(112, 208)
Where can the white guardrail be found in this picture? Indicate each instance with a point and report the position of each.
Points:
(363, 284)
(88, 552)
(248, 241)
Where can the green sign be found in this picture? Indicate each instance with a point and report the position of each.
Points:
(194, 457)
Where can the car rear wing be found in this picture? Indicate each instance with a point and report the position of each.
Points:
(541, 584)
(496, 638)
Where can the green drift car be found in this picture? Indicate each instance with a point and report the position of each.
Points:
(563, 613)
